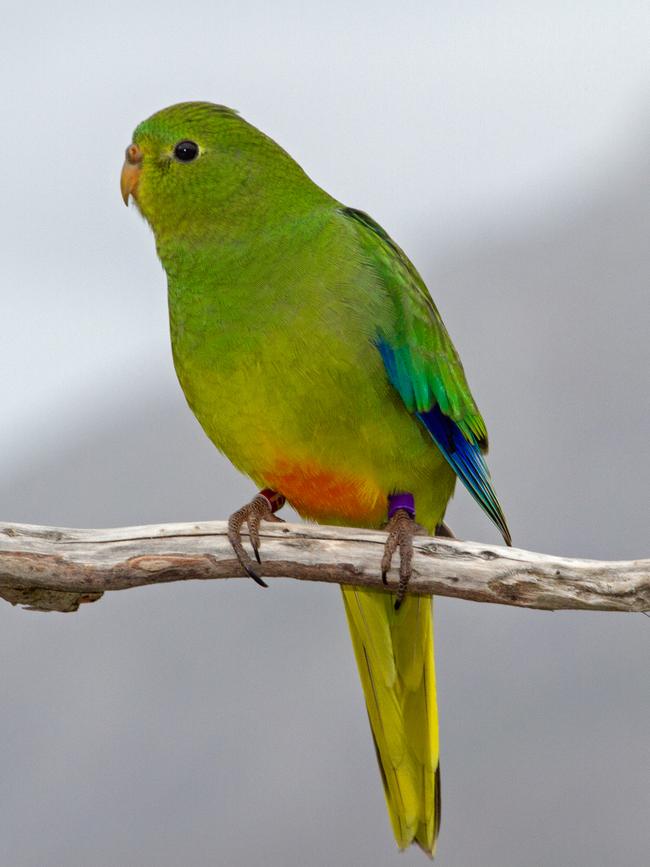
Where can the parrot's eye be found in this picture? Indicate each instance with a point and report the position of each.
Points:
(186, 151)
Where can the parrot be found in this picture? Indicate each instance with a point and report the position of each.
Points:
(314, 358)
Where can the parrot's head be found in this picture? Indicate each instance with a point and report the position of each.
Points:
(196, 167)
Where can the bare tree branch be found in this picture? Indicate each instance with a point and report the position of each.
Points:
(50, 569)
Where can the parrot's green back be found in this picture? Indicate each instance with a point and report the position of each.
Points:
(313, 357)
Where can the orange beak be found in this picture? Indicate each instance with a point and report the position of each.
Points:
(131, 172)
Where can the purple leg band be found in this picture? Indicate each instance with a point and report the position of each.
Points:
(401, 501)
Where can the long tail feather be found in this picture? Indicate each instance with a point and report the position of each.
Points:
(394, 652)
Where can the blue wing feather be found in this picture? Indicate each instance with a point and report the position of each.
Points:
(467, 462)
(461, 448)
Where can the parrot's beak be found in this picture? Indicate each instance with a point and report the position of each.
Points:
(131, 172)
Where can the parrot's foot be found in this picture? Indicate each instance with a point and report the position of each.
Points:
(261, 508)
(401, 529)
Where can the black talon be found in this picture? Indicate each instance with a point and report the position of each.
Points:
(384, 577)
(256, 551)
(256, 578)
(398, 604)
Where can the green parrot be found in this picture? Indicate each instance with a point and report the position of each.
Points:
(313, 356)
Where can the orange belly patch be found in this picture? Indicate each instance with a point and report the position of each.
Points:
(328, 496)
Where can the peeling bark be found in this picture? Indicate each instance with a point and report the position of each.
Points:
(53, 569)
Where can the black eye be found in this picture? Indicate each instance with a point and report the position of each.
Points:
(186, 151)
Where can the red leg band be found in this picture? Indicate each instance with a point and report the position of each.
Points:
(275, 500)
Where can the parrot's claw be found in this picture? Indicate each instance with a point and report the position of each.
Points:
(253, 513)
(401, 529)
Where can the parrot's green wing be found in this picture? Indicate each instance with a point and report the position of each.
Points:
(423, 365)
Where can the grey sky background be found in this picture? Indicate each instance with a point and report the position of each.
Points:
(505, 147)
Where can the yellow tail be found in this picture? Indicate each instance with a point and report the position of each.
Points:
(394, 651)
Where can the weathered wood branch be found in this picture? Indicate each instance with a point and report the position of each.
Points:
(51, 569)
